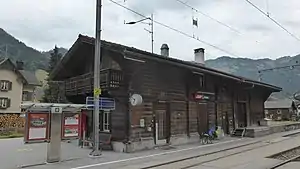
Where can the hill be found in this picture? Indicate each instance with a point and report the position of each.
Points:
(16, 50)
(288, 79)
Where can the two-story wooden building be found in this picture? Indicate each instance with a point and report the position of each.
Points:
(180, 98)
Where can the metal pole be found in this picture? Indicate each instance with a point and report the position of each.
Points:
(152, 38)
(96, 149)
(5, 51)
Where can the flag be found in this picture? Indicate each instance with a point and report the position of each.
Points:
(195, 22)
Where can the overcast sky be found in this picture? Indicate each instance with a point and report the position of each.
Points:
(43, 23)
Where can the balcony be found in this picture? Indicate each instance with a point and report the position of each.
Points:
(109, 79)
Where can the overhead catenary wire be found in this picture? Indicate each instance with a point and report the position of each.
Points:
(273, 20)
(208, 16)
(174, 29)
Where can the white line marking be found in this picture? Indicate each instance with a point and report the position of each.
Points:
(152, 155)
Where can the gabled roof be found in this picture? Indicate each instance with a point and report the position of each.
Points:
(280, 104)
(30, 77)
(27, 76)
(143, 54)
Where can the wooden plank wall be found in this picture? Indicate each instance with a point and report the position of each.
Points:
(178, 118)
(144, 111)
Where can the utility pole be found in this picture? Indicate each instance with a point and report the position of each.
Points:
(97, 59)
(150, 31)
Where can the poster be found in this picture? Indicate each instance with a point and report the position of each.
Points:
(71, 124)
(71, 131)
(38, 126)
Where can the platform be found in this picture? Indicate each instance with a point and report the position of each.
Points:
(273, 127)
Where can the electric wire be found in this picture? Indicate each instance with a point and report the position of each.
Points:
(174, 29)
(273, 20)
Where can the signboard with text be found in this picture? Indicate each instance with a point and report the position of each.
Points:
(37, 127)
(70, 125)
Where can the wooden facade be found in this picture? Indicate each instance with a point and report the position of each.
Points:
(179, 98)
(281, 110)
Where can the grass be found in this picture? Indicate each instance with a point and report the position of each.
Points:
(12, 135)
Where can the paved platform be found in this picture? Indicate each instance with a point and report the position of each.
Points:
(273, 127)
(14, 153)
(138, 160)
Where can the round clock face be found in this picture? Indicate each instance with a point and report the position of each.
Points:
(133, 101)
(136, 99)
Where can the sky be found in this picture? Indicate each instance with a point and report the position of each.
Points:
(42, 24)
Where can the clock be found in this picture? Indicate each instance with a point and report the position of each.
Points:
(136, 100)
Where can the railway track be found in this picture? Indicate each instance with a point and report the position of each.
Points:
(281, 164)
(216, 155)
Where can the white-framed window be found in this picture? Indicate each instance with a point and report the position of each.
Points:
(4, 103)
(5, 85)
(105, 121)
(27, 96)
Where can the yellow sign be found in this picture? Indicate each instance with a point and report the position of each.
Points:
(97, 92)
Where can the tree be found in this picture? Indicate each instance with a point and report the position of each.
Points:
(52, 93)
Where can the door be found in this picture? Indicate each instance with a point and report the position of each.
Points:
(161, 123)
(242, 115)
(202, 118)
(225, 122)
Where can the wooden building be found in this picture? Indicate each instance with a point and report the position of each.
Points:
(180, 98)
(281, 110)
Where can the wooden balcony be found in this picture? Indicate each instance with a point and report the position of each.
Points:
(109, 79)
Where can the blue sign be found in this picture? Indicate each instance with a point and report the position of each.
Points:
(104, 103)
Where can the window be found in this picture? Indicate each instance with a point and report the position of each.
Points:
(278, 111)
(27, 96)
(5, 85)
(4, 103)
(201, 81)
(106, 120)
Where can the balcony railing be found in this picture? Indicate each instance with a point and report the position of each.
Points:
(109, 79)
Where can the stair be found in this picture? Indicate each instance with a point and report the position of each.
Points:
(239, 132)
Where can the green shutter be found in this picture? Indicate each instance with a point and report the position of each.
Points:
(9, 85)
(8, 103)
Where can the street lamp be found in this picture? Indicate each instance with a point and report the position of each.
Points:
(150, 31)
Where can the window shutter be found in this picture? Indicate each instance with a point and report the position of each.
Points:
(109, 121)
(101, 119)
(8, 103)
(9, 85)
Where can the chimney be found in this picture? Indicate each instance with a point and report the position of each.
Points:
(199, 55)
(164, 50)
(20, 65)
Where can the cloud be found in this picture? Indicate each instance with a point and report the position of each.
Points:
(42, 24)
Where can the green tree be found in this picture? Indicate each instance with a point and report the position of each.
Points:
(52, 93)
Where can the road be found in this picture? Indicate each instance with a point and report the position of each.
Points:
(219, 155)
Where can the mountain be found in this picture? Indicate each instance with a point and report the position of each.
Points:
(287, 78)
(16, 50)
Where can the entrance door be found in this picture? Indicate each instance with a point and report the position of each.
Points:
(202, 118)
(161, 123)
(225, 122)
(242, 115)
